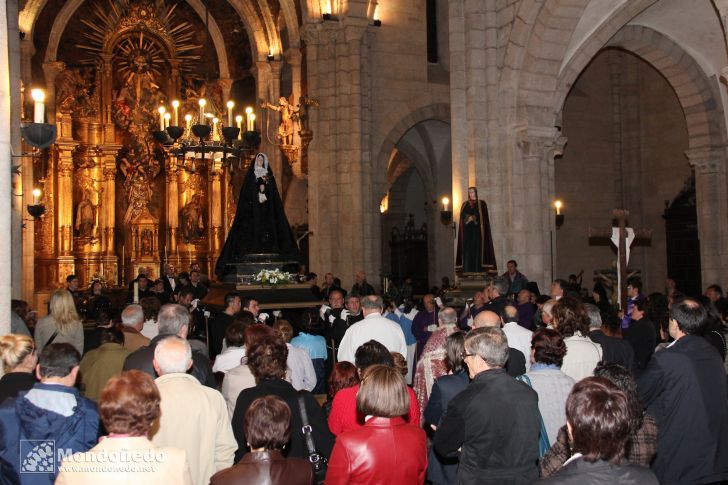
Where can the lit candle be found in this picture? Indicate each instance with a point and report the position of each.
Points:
(248, 112)
(188, 123)
(558, 205)
(136, 292)
(215, 121)
(230, 106)
(161, 117)
(252, 123)
(445, 203)
(175, 106)
(36, 196)
(167, 116)
(202, 103)
(38, 96)
(239, 121)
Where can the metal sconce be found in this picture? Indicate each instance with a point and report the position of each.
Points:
(559, 216)
(446, 213)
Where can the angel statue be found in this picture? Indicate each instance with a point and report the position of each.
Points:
(289, 115)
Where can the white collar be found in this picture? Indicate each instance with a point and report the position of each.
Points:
(574, 457)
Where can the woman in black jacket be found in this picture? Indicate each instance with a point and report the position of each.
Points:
(267, 361)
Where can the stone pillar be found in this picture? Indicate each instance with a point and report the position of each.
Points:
(712, 197)
(343, 215)
(27, 51)
(5, 169)
(293, 59)
(50, 71)
(532, 236)
(469, 108)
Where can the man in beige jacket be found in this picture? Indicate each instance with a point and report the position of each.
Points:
(194, 417)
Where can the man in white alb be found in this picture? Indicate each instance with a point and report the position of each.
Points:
(373, 327)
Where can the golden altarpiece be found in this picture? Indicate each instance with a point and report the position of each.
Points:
(115, 199)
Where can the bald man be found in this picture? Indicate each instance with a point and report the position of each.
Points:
(516, 364)
(486, 318)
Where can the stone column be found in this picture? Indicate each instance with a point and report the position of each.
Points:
(50, 71)
(27, 51)
(5, 170)
(343, 215)
(712, 196)
(293, 59)
(532, 236)
(274, 92)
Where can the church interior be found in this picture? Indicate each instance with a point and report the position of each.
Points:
(376, 117)
(420, 242)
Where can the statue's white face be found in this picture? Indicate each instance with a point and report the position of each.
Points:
(259, 161)
(471, 194)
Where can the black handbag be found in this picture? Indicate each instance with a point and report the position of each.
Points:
(319, 463)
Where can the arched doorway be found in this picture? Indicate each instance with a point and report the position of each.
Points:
(627, 137)
(419, 171)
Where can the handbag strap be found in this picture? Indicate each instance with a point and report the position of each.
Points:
(306, 429)
(53, 337)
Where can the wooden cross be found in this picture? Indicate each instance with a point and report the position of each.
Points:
(641, 236)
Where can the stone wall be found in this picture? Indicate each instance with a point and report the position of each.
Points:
(627, 138)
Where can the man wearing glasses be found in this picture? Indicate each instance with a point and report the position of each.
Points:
(494, 422)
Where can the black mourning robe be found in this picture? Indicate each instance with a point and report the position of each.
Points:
(475, 252)
(258, 228)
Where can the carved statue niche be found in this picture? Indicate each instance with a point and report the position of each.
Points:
(191, 216)
(138, 175)
(76, 93)
(147, 242)
(86, 220)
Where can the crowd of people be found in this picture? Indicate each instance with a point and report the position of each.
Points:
(514, 387)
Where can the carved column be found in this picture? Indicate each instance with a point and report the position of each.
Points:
(50, 71)
(107, 217)
(214, 221)
(712, 200)
(172, 206)
(64, 211)
(530, 214)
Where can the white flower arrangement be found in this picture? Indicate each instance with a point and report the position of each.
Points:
(272, 277)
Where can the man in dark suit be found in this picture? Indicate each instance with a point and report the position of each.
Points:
(684, 389)
(496, 439)
(498, 294)
(641, 335)
(516, 364)
(614, 350)
(173, 319)
(169, 279)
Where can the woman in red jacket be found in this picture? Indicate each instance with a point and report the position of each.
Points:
(386, 450)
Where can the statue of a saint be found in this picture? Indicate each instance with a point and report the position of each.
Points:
(475, 244)
(192, 222)
(86, 216)
(260, 225)
(289, 115)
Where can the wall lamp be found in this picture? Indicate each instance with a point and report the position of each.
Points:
(446, 212)
(559, 216)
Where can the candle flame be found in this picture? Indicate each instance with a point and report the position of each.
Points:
(38, 95)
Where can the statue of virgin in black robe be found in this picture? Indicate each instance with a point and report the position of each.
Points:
(475, 244)
(260, 226)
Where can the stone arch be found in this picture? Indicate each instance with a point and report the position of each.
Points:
(290, 15)
(696, 93)
(440, 112)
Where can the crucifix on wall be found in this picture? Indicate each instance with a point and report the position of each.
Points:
(623, 238)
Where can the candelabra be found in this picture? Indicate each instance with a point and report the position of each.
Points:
(197, 141)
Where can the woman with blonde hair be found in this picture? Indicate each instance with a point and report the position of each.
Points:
(19, 359)
(61, 325)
